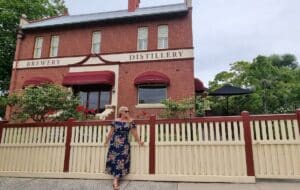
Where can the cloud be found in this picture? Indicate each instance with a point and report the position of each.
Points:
(233, 30)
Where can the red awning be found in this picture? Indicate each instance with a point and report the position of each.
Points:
(199, 86)
(152, 77)
(86, 78)
(37, 81)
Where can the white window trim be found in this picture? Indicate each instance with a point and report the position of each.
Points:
(52, 46)
(36, 47)
(139, 37)
(150, 106)
(96, 43)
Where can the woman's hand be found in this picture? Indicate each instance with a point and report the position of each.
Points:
(105, 143)
(141, 143)
(107, 138)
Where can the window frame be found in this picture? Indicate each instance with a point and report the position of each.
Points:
(36, 44)
(96, 43)
(152, 85)
(86, 89)
(139, 37)
(52, 46)
(162, 37)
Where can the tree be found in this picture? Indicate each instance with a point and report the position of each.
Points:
(3, 103)
(275, 80)
(10, 13)
(40, 102)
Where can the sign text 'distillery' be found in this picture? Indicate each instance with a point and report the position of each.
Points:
(155, 55)
(118, 58)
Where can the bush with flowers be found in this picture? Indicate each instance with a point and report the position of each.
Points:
(85, 113)
(45, 103)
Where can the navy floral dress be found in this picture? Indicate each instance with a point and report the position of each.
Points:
(118, 156)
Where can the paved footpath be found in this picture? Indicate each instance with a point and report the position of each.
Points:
(67, 184)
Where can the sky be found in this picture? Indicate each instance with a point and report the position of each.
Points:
(226, 31)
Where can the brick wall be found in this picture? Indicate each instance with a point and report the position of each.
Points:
(55, 74)
(117, 37)
(181, 74)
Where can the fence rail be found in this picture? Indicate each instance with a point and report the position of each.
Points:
(212, 149)
(276, 143)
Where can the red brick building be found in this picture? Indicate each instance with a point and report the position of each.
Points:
(135, 57)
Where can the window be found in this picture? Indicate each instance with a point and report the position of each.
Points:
(142, 39)
(151, 94)
(54, 46)
(94, 97)
(38, 47)
(163, 37)
(96, 42)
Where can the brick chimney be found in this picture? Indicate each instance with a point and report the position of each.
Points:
(133, 5)
(188, 3)
(66, 12)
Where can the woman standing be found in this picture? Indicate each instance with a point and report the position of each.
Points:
(118, 156)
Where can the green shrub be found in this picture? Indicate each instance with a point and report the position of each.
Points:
(40, 102)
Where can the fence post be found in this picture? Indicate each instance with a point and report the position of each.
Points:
(68, 146)
(248, 143)
(152, 145)
(298, 118)
(1, 129)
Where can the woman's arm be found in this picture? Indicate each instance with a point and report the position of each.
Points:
(108, 137)
(136, 136)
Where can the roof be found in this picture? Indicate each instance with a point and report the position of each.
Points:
(107, 16)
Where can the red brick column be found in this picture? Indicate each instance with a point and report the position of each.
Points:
(298, 118)
(248, 143)
(68, 146)
(152, 145)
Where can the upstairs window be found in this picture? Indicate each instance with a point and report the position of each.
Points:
(163, 37)
(142, 41)
(54, 46)
(38, 47)
(96, 43)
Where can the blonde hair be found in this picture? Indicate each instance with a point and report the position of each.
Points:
(122, 109)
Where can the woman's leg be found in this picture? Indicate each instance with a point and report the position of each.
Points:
(116, 183)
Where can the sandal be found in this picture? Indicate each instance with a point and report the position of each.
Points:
(116, 186)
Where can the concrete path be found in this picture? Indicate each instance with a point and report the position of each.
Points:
(60, 184)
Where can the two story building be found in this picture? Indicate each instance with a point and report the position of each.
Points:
(136, 57)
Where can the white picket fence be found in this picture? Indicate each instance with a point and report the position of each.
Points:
(276, 148)
(33, 150)
(201, 150)
(212, 149)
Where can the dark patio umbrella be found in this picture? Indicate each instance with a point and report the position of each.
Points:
(229, 90)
